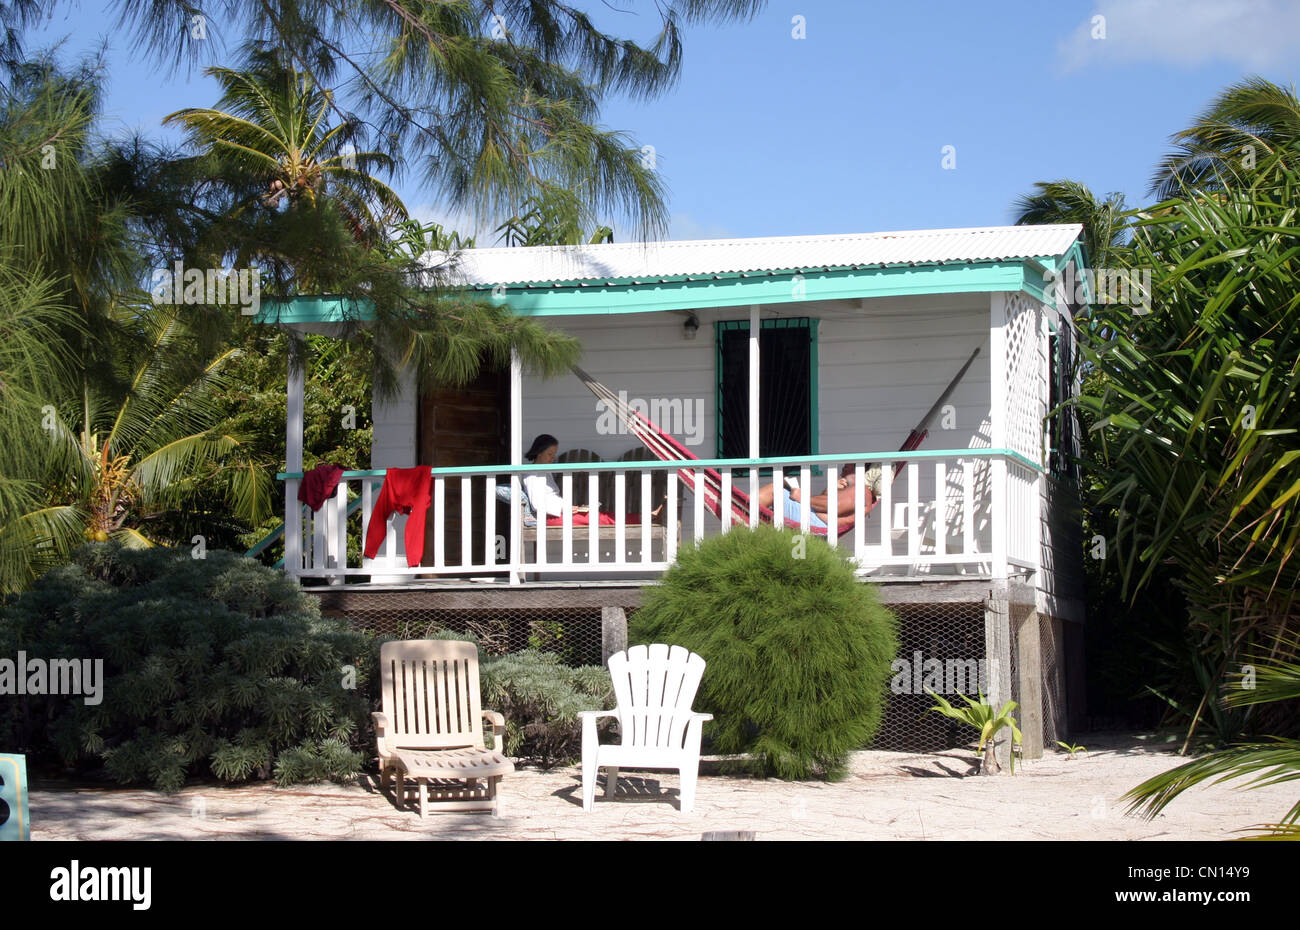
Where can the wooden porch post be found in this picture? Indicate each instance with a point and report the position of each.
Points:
(293, 432)
(754, 408)
(516, 458)
(613, 632)
(997, 653)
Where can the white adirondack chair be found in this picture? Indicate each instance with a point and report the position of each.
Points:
(654, 687)
(431, 727)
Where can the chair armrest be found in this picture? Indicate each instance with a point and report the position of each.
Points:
(381, 733)
(593, 714)
(695, 715)
(498, 722)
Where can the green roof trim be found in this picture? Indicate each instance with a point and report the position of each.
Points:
(699, 292)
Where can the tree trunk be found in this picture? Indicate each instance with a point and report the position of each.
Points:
(990, 764)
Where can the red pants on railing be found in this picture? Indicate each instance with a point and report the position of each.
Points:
(408, 491)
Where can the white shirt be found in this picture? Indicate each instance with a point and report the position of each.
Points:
(544, 496)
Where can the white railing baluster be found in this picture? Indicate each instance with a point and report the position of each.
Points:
(466, 521)
(292, 527)
(566, 532)
(805, 498)
(968, 507)
(753, 497)
(367, 508)
(593, 509)
(620, 517)
(489, 521)
(859, 511)
(541, 553)
(439, 522)
(724, 505)
(319, 539)
(340, 534)
(670, 519)
(516, 529)
(647, 545)
(887, 509)
(940, 508)
(697, 504)
(913, 509)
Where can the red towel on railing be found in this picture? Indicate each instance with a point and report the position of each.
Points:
(405, 490)
(319, 484)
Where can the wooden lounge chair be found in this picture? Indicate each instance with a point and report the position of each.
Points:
(431, 727)
(654, 687)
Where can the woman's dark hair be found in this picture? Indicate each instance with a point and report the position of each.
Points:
(540, 445)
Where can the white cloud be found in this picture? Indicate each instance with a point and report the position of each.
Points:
(1254, 34)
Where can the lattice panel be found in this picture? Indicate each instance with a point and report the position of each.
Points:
(1025, 368)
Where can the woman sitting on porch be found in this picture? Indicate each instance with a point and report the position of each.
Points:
(545, 496)
(819, 505)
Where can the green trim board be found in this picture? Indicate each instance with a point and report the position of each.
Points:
(895, 456)
(699, 292)
(17, 824)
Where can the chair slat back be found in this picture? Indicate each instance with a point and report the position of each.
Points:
(431, 693)
(655, 686)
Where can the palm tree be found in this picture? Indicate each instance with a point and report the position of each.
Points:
(492, 102)
(273, 139)
(1250, 126)
(1105, 222)
(1195, 419)
(1269, 763)
(112, 463)
(553, 219)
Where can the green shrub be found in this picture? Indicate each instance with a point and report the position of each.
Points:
(798, 649)
(210, 666)
(540, 698)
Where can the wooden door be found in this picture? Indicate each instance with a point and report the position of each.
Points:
(464, 426)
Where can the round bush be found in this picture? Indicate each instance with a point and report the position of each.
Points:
(212, 666)
(798, 649)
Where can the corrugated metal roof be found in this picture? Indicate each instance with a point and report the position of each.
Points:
(651, 261)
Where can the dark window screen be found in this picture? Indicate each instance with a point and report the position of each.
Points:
(785, 391)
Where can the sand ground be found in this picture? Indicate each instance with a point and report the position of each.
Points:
(887, 795)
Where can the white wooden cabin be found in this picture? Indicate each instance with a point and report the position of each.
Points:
(871, 328)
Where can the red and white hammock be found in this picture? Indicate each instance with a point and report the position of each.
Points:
(708, 481)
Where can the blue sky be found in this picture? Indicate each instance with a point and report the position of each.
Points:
(844, 130)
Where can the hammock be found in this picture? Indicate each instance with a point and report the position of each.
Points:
(708, 482)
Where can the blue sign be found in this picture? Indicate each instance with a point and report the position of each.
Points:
(15, 822)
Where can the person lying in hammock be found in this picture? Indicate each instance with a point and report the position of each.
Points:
(820, 505)
(546, 498)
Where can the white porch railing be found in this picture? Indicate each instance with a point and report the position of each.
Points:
(969, 511)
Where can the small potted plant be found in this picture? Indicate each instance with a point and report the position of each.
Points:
(982, 717)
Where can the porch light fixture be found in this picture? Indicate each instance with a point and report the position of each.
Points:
(691, 326)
